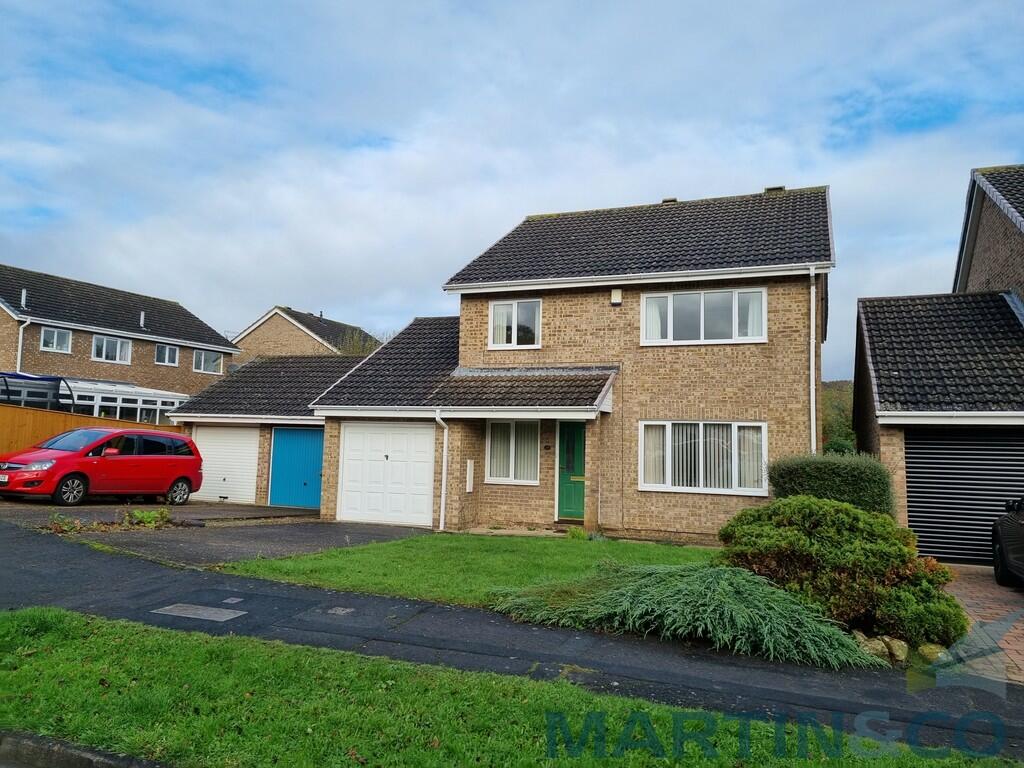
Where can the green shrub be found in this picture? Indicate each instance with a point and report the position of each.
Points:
(860, 567)
(858, 479)
(149, 518)
(576, 533)
(731, 608)
(840, 445)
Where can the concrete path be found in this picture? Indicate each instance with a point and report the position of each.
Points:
(41, 569)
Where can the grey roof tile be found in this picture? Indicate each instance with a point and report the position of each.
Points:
(63, 300)
(419, 369)
(767, 229)
(273, 386)
(949, 352)
(1008, 181)
(339, 335)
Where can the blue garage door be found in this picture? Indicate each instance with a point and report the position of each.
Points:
(295, 467)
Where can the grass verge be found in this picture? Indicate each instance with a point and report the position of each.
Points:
(462, 569)
(194, 700)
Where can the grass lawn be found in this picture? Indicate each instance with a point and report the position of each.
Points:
(194, 700)
(460, 568)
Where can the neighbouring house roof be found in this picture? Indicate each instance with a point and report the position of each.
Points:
(776, 228)
(961, 352)
(63, 301)
(419, 369)
(336, 335)
(273, 386)
(1004, 185)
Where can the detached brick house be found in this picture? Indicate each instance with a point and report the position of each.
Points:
(939, 380)
(632, 368)
(101, 351)
(286, 331)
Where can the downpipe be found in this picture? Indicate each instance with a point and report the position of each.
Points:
(444, 467)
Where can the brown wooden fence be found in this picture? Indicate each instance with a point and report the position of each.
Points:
(22, 427)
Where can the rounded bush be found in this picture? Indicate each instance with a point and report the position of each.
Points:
(861, 567)
(857, 479)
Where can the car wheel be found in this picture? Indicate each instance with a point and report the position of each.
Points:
(70, 491)
(179, 492)
(1004, 576)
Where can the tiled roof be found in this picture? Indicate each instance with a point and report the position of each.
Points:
(339, 335)
(273, 386)
(63, 300)
(1008, 183)
(774, 228)
(950, 352)
(419, 369)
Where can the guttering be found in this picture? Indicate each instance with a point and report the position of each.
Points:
(585, 413)
(730, 273)
(127, 334)
(21, 338)
(238, 418)
(967, 418)
(444, 468)
(812, 363)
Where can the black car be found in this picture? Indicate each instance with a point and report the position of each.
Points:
(1008, 545)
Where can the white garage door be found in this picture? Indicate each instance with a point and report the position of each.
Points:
(387, 473)
(229, 463)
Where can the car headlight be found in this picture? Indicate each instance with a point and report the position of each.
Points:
(39, 466)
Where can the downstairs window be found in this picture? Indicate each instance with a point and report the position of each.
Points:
(703, 457)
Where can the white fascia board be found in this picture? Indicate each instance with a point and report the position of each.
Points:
(605, 401)
(234, 418)
(279, 313)
(349, 412)
(128, 334)
(9, 311)
(969, 418)
(641, 278)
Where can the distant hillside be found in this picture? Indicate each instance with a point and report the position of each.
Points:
(837, 415)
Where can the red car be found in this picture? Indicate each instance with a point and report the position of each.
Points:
(102, 461)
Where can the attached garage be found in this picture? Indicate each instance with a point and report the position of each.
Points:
(230, 459)
(958, 482)
(296, 463)
(387, 473)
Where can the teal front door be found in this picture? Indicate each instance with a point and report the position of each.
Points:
(571, 464)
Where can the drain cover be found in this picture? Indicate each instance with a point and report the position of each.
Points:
(190, 611)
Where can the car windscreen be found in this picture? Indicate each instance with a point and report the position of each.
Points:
(75, 440)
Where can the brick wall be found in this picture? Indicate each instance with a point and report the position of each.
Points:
(890, 453)
(275, 337)
(143, 370)
(8, 342)
(735, 382)
(998, 260)
(263, 464)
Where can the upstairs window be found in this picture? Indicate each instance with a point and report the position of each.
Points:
(515, 324)
(207, 361)
(55, 340)
(110, 349)
(705, 317)
(166, 354)
(703, 457)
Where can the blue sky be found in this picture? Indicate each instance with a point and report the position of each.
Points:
(348, 157)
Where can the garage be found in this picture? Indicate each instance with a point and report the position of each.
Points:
(958, 482)
(296, 461)
(230, 457)
(387, 473)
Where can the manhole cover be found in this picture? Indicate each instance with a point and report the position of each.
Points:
(190, 611)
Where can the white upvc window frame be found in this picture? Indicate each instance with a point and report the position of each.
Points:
(488, 478)
(736, 339)
(195, 359)
(667, 449)
(55, 331)
(515, 325)
(177, 354)
(121, 343)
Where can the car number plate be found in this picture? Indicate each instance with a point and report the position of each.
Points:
(3, 478)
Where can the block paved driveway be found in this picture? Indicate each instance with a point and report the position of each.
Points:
(215, 533)
(992, 609)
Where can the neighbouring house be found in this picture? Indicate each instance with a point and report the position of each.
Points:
(939, 381)
(260, 442)
(286, 331)
(101, 351)
(632, 369)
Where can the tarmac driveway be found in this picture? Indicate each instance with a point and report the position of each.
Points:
(213, 533)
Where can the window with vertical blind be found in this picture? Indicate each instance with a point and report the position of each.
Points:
(513, 452)
(737, 316)
(704, 457)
